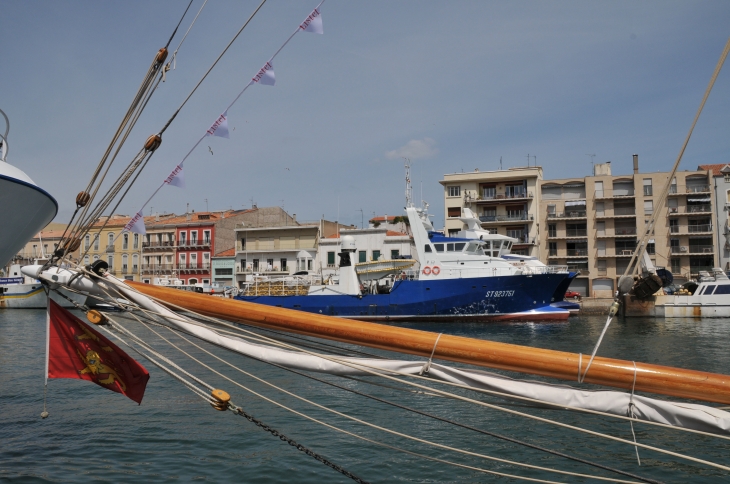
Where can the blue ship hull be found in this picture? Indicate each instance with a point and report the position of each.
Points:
(523, 297)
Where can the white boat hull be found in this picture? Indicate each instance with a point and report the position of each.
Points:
(32, 296)
(27, 208)
(692, 306)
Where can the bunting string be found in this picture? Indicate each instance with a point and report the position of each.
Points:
(265, 76)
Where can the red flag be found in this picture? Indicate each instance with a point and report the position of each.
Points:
(76, 350)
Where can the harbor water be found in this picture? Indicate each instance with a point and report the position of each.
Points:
(94, 435)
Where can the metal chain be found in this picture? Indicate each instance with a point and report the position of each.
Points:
(298, 446)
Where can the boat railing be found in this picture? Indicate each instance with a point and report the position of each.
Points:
(462, 272)
(287, 286)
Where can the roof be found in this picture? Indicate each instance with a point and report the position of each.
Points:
(717, 170)
(196, 217)
(393, 233)
(382, 219)
(49, 234)
(226, 253)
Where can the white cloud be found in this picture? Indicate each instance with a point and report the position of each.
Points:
(415, 149)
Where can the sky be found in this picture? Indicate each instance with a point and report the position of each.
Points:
(453, 86)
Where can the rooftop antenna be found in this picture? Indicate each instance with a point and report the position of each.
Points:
(593, 168)
(409, 188)
(206, 204)
(500, 162)
(362, 217)
(534, 161)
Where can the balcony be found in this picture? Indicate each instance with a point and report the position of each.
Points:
(505, 218)
(504, 196)
(577, 252)
(613, 193)
(157, 268)
(576, 232)
(158, 246)
(525, 241)
(675, 190)
(693, 250)
(193, 244)
(676, 211)
(193, 268)
(699, 228)
(569, 214)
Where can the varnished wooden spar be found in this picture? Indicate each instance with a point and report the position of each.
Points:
(663, 380)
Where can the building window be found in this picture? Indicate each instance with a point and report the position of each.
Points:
(489, 193)
(96, 242)
(136, 241)
(454, 212)
(552, 230)
(309, 264)
(601, 266)
(110, 261)
(362, 256)
(255, 264)
(376, 254)
(193, 237)
(125, 241)
(330, 259)
(283, 265)
(552, 248)
(648, 207)
(110, 239)
(676, 266)
(647, 187)
(673, 226)
(183, 237)
(650, 248)
(206, 237)
(135, 262)
(455, 191)
(394, 254)
(125, 263)
(182, 261)
(194, 261)
(87, 241)
(86, 259)
(551, 210)
(269, 264)
(224, 271)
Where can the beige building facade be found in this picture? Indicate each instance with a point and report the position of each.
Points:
(592, 224)
(506, 201)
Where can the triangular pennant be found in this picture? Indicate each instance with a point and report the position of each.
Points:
(313, 23)
(136, 224)
(265, 75)
(177, 177)
(220, 127)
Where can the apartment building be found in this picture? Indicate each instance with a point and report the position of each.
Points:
(158, 248)
(224, 265)
(506, 202)
(279, 245)
(43, 245)
(720, 176)
(593, 224)
(107, 240)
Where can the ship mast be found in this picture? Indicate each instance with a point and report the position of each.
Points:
(409, 188)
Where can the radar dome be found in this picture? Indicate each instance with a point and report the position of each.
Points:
(348, 242)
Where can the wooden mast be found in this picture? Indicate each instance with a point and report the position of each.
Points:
(663, 380)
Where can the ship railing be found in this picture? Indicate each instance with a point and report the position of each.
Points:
(467, 273)
(287, 286)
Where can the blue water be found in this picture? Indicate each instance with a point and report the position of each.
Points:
(93, 435)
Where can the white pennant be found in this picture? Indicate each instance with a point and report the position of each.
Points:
(313, 23)
(220, 127)
(136, 224)
(177, 177)
(265, 75)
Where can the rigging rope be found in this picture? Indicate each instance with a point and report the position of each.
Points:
(649, 229)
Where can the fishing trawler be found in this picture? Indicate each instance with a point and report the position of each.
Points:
(458, 279)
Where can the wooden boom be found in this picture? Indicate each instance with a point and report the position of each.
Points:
(610, 372)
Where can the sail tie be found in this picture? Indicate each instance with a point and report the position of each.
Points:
(630, 413)
(427, 365)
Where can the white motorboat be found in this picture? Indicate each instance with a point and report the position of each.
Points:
(27, 208)
(22, 292)
(710, 298)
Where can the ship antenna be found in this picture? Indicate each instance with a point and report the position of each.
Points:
(409, 188)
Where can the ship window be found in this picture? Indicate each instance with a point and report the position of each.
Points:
(450, 247)
(427, 247)
(459, 246)
(709, 290)
(488, 244)
(723, 289)
(472, 247)
(439, 247)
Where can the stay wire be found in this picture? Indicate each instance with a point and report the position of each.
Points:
(369, 369)
(355, 419)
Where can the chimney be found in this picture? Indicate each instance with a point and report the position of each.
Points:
(294, 217)
(636, 164)
(157, 217)
(187, 217)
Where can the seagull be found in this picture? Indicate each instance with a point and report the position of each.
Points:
(287, 169)
(210, 149)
